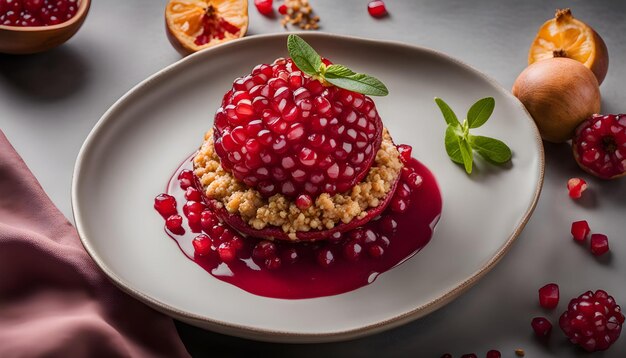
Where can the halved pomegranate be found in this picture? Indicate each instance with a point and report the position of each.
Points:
(599, 145)
(193, 25)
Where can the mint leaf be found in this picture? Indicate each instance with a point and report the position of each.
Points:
(480, 112)
(491, 149)
(338, 71)
(467, 155)
(453, 146)
(447, 112)
(303, 55)
(358, 82)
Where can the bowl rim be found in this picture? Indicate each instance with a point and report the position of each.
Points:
(273, 335)
(80, 14)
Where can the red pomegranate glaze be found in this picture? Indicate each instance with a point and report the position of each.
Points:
(295, 270)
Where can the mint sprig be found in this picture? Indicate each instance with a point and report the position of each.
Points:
(310, 62)
(461, 145)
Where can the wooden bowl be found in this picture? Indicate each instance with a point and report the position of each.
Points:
(26, 40)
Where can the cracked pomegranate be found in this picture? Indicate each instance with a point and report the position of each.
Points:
(27, 13)
(593, 321)
(599, 145)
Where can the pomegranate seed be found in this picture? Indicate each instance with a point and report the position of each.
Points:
(207, 221)
(192, 207)
(193, 218)
(282, 9)
(352, 251)
(599, 244)
(414, 180)
(264, 249)
(273, 263)
(227, 252)
(549, 296)
(580, 230)
(264, 6)
(193, 194)
(377, 8)
(388, 225)
(185, 178)
(541, 326)
(593, 321)
(165, 204)
(289, 255)
(174, 223)
(494, 354)
(202, 245)
(576, 187)
(376, 251)
(325, 257)
(405, 152)
(399, 205)
(304, 202)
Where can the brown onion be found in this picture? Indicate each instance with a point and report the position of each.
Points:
(559, 93)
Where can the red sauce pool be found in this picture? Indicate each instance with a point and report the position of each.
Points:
(306, 278)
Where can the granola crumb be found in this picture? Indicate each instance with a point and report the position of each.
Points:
(326, 211)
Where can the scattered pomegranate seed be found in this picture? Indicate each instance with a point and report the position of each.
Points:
(388, 225)
(376, 251)
(174, 223)
(193, 194)
(580, 230)
(185, 179)
(264, 250)
(325, 257)
(273, 263)
(377, 8)
(541, 326)
(202, 245)
(549, 296)
(164, 204)
(599, 244)
(576, 187)
(282, 9)
(494, 354)
(304, 201)
(227, 252)
(192, 207)
(207, 221)
(264, 6)
(593, 321)
(352, 250)
(405, 152)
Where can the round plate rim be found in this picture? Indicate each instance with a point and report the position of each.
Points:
(286, 336)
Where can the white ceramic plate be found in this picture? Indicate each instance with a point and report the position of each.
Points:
(132, 151)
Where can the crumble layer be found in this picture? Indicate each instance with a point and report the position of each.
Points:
(278, 210)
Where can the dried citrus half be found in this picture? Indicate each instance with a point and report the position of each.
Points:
(565, 36)
(193, 25)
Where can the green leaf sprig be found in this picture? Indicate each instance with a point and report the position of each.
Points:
(460, 144)
(310, 62)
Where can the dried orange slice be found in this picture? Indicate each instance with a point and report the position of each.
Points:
(193, 25)
(565, 36)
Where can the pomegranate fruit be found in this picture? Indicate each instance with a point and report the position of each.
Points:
(593, 321)
(576, 187)
(559, 93)
(599, 244)
(281, 131)
(193, 25)
(599, 145)
(541, 326)
(549, 296)
(580, 230)
(376, 8)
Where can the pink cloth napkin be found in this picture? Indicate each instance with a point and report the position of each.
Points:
(54, 301)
